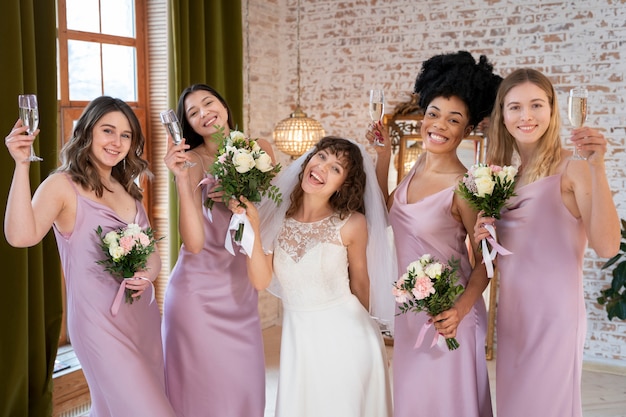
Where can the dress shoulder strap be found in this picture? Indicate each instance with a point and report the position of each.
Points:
(200, 158)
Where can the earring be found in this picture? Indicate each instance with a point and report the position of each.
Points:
(124, 164)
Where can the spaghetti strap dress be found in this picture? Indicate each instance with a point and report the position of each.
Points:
(121, 355)
(214, 359)
(433, 381)
(333, 360)
(541, 318)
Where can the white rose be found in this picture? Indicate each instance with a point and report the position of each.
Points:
(243, 161)
(230, 150)
(116, 252)
(510, 172)
(482, 171)
(255, 146)
(132, 229)
(263, 163)
(111, 238)
(484, 186)
(425, 259)
(236, 135)
(416, 266)
(434, 270)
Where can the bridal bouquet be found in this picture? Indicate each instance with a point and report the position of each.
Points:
(487, 188)
(241, 168)
(127, 250)
(431, 286)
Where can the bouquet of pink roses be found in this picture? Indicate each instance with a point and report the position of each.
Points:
(127, 250)
(242, 168)
(431, 286)
(487, 188)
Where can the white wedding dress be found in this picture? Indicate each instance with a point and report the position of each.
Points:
(333, 361)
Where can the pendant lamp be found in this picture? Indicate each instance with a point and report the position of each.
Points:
(298, 133)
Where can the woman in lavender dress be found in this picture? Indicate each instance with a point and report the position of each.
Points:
(427, 216)
(213, 345)
(120, 354)
(560, 205)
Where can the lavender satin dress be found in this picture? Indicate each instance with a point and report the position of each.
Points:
(541, 318)
(435, 382)
(120, 355)
(214, 360)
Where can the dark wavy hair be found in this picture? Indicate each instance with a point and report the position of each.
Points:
(192, 138)
(350, 196)
(459, 75)
(75, 153)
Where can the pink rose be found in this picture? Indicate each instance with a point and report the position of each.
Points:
(127, 243)
(144, 239)
(401, 296)
(423, 288)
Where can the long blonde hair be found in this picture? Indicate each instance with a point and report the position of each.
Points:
(501, 144)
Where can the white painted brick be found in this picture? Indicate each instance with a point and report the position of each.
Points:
(347, 46)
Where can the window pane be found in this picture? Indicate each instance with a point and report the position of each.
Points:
(83, 15)
(84, 70)
(120, 69)
(118, 17)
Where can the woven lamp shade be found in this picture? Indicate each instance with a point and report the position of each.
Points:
(297, 134)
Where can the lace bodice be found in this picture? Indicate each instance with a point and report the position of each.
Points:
(311, 263)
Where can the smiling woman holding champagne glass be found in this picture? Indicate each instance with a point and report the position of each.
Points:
(561, 204)
(120, 354)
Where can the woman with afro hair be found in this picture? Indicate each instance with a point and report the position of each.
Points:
(429, 217)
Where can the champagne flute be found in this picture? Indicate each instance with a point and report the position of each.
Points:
(169, 119)
(29, 113)
(376, 107)
(577, 112)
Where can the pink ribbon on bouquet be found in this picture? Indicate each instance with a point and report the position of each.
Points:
(247, 238)
(422, 333)
(490, 256)
(120, 294)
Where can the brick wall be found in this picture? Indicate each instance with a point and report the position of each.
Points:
(347, 47)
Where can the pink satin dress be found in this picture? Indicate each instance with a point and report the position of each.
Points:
(433, 381)
(120, 355)
(541, 319)
(214, 360)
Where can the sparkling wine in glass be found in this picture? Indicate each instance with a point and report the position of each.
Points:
(376, 107)
(29, 113)
(171, 123)
(577, 112)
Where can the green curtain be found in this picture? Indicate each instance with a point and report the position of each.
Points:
(30, 299)
(205, 46)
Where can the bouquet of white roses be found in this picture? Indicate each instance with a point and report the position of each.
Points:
(242, 168)
(127, 250)
(487, 188)
(431, 286)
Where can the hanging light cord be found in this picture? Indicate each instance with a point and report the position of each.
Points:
(298, 52)
(248, 66)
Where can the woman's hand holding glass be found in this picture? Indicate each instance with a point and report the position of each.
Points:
(174, 131)
(19, 142)
(591, 143)
(378, 137)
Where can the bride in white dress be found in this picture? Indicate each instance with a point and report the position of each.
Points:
(333, 360)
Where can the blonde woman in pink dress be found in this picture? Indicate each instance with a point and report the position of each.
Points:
(120, 354)
(561, 206)
(214, 361)
(428, 217)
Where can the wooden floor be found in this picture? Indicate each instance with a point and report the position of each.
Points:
(604, 393)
